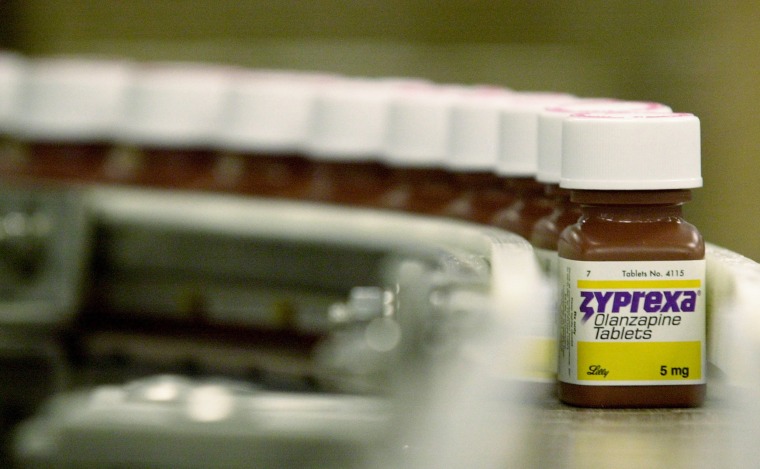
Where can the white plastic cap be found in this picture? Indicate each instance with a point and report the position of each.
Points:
(631, 152)
(419, 124)
(270, 112)
(550, 129)
(474, 143)
(12, 68)
(71, 99)
(519, 132)
(174, 105)
(350, 120)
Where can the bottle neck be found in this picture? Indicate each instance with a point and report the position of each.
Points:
(556, 193)
(477, 179)
(631, 206)
(524, 186)
(637, 198)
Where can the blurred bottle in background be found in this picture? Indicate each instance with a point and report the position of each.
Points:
(264, 128)
(473, 155)
(67, 113)
(346, 142)
(416, 147)
(166, 135)
(518, 162)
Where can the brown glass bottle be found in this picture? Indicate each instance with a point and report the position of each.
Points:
(474, 151)
(276, 175)
(631, 271)
(631, 226)
(176, 168)
(481, 196)
(66, 116)
(417, 146)
(547, 229)
(169, 125)
(420, 190)
(352, 183)
(346, 140)
(64, 161)
(530, 205)
(265, 123)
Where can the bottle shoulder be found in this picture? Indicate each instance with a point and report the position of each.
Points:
(547, 229)
(594, 239)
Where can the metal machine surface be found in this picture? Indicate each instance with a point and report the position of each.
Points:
(258, 301)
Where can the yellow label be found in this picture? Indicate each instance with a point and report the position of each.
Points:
(639, 361)
(625, 323)
(625, 284)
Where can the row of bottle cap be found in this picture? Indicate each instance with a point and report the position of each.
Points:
(557, 138)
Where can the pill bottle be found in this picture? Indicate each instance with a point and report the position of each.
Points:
(473, 155)
(631, 270)
(346, 140)
(416, 148)
(67, 113)
(546, 230)
(12, 70)
(518, 162)
(265, 124)
(167, 133)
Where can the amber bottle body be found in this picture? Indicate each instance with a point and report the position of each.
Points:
(481, 196)
(349, 183)
(530, 205)
(546, 230)
(420, 190)
(631, 226)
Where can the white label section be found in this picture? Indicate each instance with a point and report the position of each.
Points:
(632, 323)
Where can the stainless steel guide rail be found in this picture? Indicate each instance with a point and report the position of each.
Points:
(437, 277)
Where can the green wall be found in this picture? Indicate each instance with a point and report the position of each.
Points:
(697, 56)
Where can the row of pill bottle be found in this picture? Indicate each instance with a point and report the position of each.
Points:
(518, 162)
(201, 127)
(161, 124)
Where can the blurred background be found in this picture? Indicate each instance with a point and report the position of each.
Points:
(700, 57)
